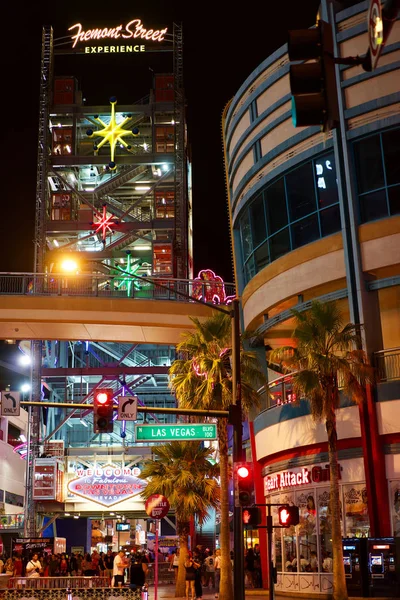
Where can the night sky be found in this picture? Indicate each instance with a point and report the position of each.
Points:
(222, 46)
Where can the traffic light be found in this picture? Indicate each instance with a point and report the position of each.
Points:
(251, 516)
(103, 408)
(288, 515)
(313, 83)
(245, 483)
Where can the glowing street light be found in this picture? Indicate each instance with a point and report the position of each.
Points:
(69, 265)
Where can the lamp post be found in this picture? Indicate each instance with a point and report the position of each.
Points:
(236, 420)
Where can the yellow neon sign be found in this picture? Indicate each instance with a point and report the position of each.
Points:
(133, 29)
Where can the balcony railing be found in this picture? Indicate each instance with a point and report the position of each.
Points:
(281, 391)
(40, 583)
(11, 521)
(387, 363)
(155, 288)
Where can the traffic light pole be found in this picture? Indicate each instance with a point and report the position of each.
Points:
(271, 581)
(237, 455)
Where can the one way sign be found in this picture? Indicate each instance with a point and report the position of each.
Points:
(127, 408)
(10, 404)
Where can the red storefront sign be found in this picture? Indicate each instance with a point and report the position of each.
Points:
(106, 486)
(303, 476)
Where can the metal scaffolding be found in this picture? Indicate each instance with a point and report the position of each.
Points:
(180, 232)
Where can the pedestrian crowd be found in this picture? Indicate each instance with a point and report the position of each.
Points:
(119, 568)
(202, 571)
(309, 565)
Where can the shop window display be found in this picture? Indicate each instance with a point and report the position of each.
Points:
(356, 511)
(307, 548)
(395, 506)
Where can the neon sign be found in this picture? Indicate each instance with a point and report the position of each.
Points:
(108, 485)
(304, 476)
(209, 287)
(134, 29)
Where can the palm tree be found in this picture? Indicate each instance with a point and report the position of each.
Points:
(182, 472)
(326, 356)
(202, 379)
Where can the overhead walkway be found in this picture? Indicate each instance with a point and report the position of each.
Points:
(97, 308)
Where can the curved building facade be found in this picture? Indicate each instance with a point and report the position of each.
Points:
(317, 216)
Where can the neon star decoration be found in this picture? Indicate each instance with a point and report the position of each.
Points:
(130, 270)
(104, 224)
(113, 133)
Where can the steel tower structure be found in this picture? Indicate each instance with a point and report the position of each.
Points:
(112, 212)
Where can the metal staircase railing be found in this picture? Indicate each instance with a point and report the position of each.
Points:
(119, 179)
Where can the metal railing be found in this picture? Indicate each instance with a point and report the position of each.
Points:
(281, 391)
(40, 583)
(156, 288)
(387, 363)
(11, 521)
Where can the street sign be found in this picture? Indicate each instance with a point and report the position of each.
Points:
(157, 506)
(127, 408)
(170, 433)
(10, 404)
(375, 31)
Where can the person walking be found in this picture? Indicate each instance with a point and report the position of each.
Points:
(249, 567)
(33, 567)
(209, 575)
(198, 588)
(109, 564)
(120, 564)
(138, 572)
(217, 566)
(190, 577)
(9, 567)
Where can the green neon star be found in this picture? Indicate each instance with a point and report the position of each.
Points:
(130, 269)
(113, 133)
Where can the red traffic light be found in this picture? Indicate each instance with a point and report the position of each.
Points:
(244, 483)
(243, 472)
(288, 516)
(103, 408)
(103, 397)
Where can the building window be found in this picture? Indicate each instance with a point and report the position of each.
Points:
(378, 175)
(62, 141)
(13, 435)
(14, 499)
(164, 138)
(294, 210)
(164, 204)
(162, 259)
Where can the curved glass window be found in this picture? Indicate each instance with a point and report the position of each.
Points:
(294, 210)
(378, 175)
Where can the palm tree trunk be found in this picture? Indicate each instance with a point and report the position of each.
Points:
(226, 587)
(339, 580)
(180, 589)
